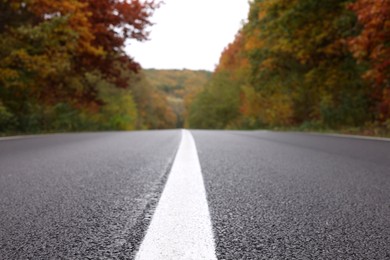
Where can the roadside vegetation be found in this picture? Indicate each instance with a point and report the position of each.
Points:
(179, 87)
(305, 65)
(63, 67)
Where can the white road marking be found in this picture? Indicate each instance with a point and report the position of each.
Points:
(15, 137)
(361, 137)
(181, 225)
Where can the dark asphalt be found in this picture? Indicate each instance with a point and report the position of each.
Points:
(271, 195)
(80, 196)
(296, 196)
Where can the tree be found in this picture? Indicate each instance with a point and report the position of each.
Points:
(217, 106)
(48, 49)
(289, 65)
(113, 23)
(371, 45)
(299, 54)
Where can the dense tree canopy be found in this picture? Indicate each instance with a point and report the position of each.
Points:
(303, 63)
(294, 63)
(372, 45)
(63, 65)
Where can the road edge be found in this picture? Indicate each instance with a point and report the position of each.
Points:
(361, 137)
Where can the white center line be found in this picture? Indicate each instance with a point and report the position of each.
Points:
(181, 225)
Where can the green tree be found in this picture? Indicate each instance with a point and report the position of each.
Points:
(217, 106)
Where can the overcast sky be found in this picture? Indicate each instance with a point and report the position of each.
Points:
(190, 34)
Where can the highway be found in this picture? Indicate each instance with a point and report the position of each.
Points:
(244, 195)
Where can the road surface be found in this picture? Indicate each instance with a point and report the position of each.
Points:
(243, 195)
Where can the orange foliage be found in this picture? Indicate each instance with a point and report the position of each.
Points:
(77, 14)
(232, 58)
(372, 45)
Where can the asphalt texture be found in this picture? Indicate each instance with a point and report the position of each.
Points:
(270, 195)
(296, 196)
(81, 196)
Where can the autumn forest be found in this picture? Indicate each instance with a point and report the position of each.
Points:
(303, 63)
(294, 64)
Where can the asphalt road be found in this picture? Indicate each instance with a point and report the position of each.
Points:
(296, 196)
(80, 196)
(270, 195)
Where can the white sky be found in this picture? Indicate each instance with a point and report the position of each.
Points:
(190, 34)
